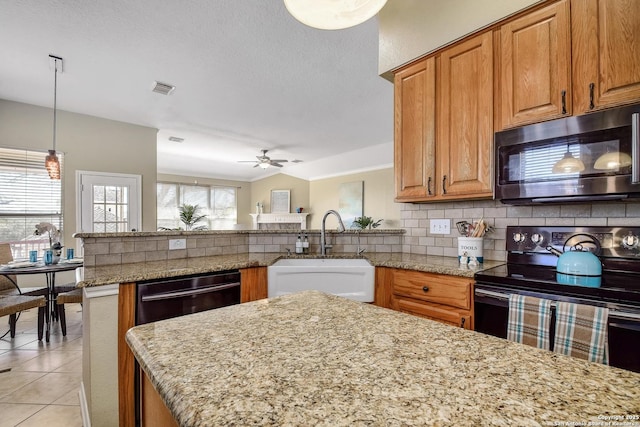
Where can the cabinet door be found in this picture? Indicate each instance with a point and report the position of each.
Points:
(606, 53)
(436, 288)
(414, 104)
(535, 66)
(435, 312)
(253, 284)
(465, 119)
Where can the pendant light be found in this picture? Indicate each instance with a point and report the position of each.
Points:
(333, 14)
(51, 163)
(568, 164)
(612, 161)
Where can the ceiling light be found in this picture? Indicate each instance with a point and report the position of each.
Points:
(176, 139)
(264, 165)
(612, 161)
(51, 162)
(568, 164)
(163, 88)
(333, 14)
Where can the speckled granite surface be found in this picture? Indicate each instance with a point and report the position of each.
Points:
(316, 359)
(221, 232)
(135, 272)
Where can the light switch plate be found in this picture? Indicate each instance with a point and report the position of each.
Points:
(177, 244)
(440, 226)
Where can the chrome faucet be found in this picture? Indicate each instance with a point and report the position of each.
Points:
(323, 234)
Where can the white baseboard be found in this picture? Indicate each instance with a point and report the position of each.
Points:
(84, 408)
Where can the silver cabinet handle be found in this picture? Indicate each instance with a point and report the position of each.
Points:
(635, 148)
(189, 292)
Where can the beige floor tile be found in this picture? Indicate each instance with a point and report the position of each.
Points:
(13, 414)
(13, 380)
(55, 416)
(15, 358)
(72, 398)
(74, 365)
(8, 343)
(50, 361)
(45, 390)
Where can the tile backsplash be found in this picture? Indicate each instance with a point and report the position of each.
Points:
(418, 240)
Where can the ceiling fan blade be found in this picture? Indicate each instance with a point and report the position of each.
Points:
(279, 160)
(275, 164)
(257, 164)
(247, 161)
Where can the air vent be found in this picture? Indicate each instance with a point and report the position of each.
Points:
(163, 88)
(175, 139)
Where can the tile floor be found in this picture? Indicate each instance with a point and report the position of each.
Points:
(42, 385)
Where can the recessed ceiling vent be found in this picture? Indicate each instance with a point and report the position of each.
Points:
(176, 139)
(163, 88)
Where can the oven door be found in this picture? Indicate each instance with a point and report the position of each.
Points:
(491, 313)
(583, 158)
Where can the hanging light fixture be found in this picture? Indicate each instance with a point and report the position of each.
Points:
(333, 14)
(51, 163)
(568, 164)
(612, 161)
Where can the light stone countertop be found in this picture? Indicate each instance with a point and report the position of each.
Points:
(316, 359)
(136, 272)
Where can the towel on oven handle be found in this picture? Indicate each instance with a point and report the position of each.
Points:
(581, 331)
(529, 320)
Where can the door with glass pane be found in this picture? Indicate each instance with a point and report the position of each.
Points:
(108, 202)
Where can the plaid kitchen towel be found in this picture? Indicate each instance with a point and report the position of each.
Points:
(529, 320)
(581, 331)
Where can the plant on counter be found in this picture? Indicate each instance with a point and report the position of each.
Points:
(189, 217)
(43, 228)
(366, 222)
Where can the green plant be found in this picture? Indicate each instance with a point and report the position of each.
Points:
(364, 222)
(189, 217)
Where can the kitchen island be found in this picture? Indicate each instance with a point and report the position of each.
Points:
(317, 359)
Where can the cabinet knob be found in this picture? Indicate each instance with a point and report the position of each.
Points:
(462, 322)
(425, 288)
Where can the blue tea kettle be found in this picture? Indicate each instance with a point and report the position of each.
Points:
(578, 266)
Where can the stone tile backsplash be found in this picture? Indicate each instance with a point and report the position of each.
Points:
(418, 240)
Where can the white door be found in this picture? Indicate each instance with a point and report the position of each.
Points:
(108, 202)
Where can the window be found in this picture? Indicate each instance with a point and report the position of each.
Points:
(217, 203)
(27, 197)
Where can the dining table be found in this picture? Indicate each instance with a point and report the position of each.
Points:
(49, 270)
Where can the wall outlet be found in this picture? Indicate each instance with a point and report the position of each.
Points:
(440, 226)
(177, 244)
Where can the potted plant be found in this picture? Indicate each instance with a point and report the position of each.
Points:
(365, 222)
(190, 217)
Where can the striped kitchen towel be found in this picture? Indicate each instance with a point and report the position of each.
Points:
(581, 331)
(529, 320)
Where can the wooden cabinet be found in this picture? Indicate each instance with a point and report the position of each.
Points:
(444, 124)
(571, 57)
(153, 411)
(606, 53)
(253, 284)
(414, 140)
(464, 148)
(535, 66)
(447, 299)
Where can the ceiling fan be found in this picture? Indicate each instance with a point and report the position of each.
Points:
(265, 161)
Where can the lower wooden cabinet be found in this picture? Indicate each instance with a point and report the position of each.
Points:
(253, 284)
(447, 299)
(153, 411)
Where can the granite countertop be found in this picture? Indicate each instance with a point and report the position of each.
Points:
(317, 359)
(135, 272)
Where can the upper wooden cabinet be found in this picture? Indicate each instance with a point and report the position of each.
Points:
(415, 102)
(444, 124)
(606, 53)
(571, 57)
(535, 66)
(465, 120)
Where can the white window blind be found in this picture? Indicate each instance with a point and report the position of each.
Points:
(219, 204)
(27, 196)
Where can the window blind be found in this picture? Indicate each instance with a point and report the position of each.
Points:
(27, 196)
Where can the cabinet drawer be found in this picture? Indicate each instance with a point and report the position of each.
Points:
(436, 288)
(434, 312)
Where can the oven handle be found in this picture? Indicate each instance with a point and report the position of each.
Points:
(635, 148)
(189, 292)
(613, 314)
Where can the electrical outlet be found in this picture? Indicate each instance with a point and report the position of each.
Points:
(440, 226)
(177, 244)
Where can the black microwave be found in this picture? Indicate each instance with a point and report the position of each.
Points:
(584, 158)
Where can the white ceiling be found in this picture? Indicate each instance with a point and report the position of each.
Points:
(248, 76)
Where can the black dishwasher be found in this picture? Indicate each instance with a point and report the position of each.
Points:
(164, 299)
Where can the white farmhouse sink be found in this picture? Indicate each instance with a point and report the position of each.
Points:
(348, 278)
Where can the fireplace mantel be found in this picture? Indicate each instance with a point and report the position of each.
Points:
(280, 218)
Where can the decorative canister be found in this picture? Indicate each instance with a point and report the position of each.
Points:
(471, 247)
